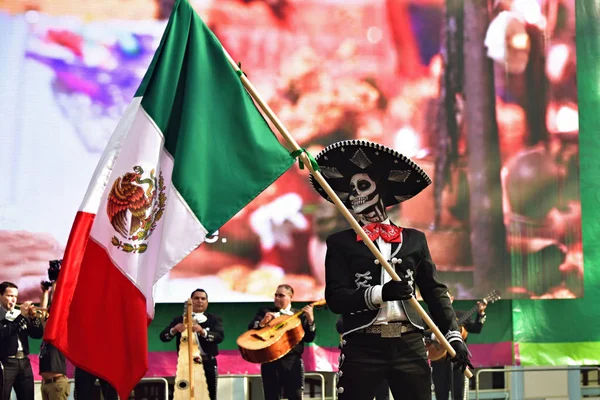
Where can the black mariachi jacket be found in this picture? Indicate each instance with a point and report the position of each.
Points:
(20, 328)
(309, 331)
(214, 335)
(352, 272)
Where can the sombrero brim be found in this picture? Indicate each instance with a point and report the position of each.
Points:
(340, 161)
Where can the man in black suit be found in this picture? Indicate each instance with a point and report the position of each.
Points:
(209, 331)
(15, 328)
(286, 373)
(382, 332)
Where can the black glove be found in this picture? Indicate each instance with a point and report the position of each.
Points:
(396, 290)
(461, 360)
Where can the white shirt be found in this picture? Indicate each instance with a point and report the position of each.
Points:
(200, 318)
(286, 311)
(390, 310)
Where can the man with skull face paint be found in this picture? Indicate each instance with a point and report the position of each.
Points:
(382, 332)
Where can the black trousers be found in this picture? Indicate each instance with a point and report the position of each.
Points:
(17, 374)
(287, 373)
(446, 380)
(84, 386)
(211, 373)
(366, 360)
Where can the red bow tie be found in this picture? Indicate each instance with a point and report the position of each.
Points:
(388, 233)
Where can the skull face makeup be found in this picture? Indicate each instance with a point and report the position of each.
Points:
(365, 199)
(363, 192)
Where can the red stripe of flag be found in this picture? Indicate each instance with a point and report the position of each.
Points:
(92, 326)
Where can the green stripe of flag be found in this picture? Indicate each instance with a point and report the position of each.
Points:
(224, 152)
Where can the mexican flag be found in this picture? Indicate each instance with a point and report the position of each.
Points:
(190, 152)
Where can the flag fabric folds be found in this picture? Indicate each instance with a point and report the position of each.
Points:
(190, 152)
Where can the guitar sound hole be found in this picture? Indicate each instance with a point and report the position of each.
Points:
(182, 385)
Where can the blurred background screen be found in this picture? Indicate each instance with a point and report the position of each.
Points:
(389, 71)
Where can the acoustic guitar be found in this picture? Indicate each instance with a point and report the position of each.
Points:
(435, 350)
(274, 340)
(190, 381)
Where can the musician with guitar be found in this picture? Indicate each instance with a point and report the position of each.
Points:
(287, 372)
(445, 379)
(15, 328)
(209, 333)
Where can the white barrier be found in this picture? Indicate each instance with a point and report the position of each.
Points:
(230, 387)
(238, 389)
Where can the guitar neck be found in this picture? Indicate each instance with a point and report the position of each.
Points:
(467, 315)
(298, 313)
(315, 304)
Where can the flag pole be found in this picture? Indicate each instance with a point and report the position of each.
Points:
(293, 145)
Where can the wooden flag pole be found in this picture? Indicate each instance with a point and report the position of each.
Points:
(293, 146)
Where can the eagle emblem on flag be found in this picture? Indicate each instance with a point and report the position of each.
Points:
(134, 206)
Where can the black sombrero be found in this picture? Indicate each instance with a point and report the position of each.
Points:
(340, 161)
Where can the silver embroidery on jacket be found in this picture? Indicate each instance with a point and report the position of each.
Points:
(362, 280)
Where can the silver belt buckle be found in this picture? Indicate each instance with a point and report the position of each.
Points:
(391, 330)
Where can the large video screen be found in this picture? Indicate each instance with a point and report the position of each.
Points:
(487, 107)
